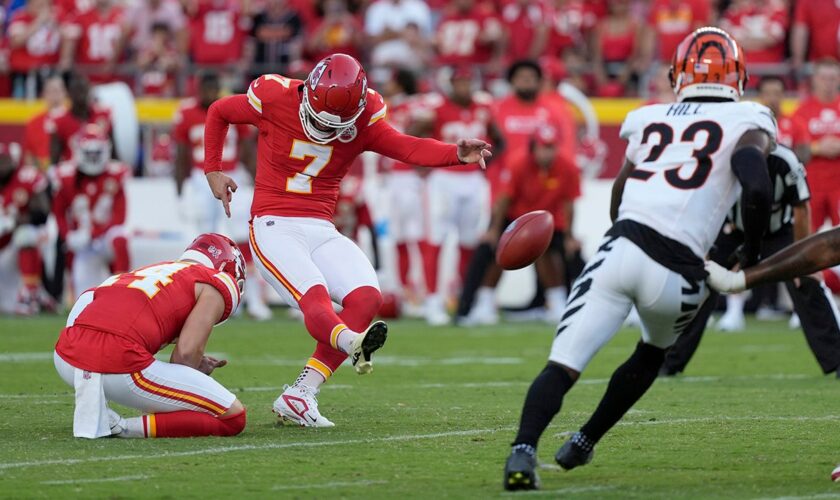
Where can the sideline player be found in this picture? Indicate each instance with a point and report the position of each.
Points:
(310, 132)
(686, 164)
(188, 133)
(106, 351)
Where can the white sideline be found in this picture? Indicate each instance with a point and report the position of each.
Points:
(102, 480)
(804, 497)
(336, 484)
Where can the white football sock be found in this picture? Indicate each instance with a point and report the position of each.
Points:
(486, 298)
(735, 303)
(555, 298)
(310, 378)
(133, 428)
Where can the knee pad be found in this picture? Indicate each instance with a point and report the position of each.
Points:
(234, 424)
(25, 236)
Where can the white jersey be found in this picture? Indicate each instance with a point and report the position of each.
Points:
(683, 185)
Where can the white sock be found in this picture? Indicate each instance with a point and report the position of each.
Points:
(735, 303)
(133, 428)
(345, 340)
(486, 297)
(310, 378)
(555, 298)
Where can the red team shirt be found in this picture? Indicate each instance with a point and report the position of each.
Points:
(41, 49)
(134, 315)
(189, 130)
(453, 122)
(532, 188)
(822, 18)
(98, 35)
(791, 133)
(97, 202)
(458, 37)
(25, 184)
(771, 19)
(299, 178)
(568, 25)
(673, 20)
(217, 33)
(820, 120)
(36, 135)
(67, 126)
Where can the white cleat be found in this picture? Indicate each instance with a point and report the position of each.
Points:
(731, 322)
(116, 422)
(299, 406)
(794, 323)
(435, 313)
(365, 344)
(258, 310)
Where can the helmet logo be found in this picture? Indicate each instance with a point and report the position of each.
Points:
(316, 74)
(215, 252)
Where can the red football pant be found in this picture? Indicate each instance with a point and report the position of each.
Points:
(431, 260)
(403, 263)
(192, 424)
(29, 264)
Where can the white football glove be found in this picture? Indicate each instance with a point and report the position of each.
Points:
(78, 240)
(724, 280)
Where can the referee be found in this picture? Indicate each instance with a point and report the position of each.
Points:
(789, 222)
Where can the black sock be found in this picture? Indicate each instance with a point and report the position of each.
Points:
(627, 385)
(542, 402)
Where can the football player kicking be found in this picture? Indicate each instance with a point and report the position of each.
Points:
(310, 132)
(686, 164)
(106, 351)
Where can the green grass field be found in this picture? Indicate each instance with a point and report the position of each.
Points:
(752, 418)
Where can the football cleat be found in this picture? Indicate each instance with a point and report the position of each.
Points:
(116, 422)
(299, 406)
(572, 455)
(435, 313)
(521, 471)
(365, 344)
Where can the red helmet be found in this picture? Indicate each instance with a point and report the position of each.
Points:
(220, 253)
(709, 63)
(334, 96)
(92, 150)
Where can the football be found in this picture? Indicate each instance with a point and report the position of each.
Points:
(835, 474)
(525, 239)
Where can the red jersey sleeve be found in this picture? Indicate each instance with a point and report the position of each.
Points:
(229, 290)
(231, 109)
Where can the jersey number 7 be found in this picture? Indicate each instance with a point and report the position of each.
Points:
(714, 136)
(301, 182)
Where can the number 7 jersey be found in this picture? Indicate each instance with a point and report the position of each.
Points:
(683, 184)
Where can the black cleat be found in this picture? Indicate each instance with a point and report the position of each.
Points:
(572, 455)
(366, 344)
(521, 471)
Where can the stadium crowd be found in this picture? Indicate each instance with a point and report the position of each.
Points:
(487, 69)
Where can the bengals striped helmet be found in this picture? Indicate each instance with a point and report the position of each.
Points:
(708, 63)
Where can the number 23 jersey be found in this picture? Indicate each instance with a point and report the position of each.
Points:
(683, 184)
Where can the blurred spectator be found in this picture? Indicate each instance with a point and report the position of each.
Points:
(527, 30)
(617, 50)
(144, 15)
(661, 90)
(95, 40)
(218, 29)
(36, 138)
(468, 34)
(760, 26)
(819, 114)
(816, 24)
(73, 7)
(157, 63)
(399, 32)
(337, 30)
(792, 133)
(34, 42)
(570, 22)
(278, 31)
(671, 21)
(83, 111)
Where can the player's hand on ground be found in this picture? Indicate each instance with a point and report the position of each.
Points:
(222, 187)
(473, 151)
(723, 280)
(209, 363)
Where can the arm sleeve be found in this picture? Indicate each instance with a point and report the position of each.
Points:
(119, 210)
(750, 167)
(383, 139)
(231, 109)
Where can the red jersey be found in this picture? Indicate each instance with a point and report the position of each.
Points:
(93, 202)
(299, 178)
(770, 19)
(569, 25)
(26, 183)
(519, 120)
(791, 133)
(36, 135)
(820, 120)
(401, 110)
(74, 6)
(533, 188)
(217, 33)
(134, 315)
(822, 18)
(673, 20)
(618, 46)
(189, 131)
(68, 125)
(453, 122)
(459, 37)
(98, 34)
(40, 49)
(521, 23)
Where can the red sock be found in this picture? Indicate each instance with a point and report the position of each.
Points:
(403, 263)
(29, 263)
(245, 248)
(326, 360)
(120, 263)
(192, 424)
(465, 256)
(431, 255)
(319, 317)
(832, 281)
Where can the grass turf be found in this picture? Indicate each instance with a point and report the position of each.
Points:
(752, 418)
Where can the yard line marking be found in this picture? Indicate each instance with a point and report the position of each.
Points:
(103, 480)
(23, 357)
(805, 497)
(340, 387)
(573, 489)
(336, 484)
(723, 418)
(250, 447)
